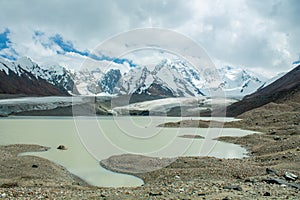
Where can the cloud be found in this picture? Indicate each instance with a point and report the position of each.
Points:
(56, 47)
(89, 23)
(261, 35)
(155, 13)
(68, 47)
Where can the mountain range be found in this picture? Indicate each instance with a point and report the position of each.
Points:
(169, 78)
(285, 89)
(28, 78)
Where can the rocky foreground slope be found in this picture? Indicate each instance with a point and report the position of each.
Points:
(267, 173)
(273, 156)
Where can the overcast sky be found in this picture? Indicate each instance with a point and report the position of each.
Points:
(263, 36)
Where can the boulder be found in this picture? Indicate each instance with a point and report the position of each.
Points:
(34, 166)
(233, 187)
(290, 177)
(62, 147)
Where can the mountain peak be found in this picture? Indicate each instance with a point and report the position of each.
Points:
(28, 65)
(24, 58)
(25, 61)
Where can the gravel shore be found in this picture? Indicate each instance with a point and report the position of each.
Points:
(273, 155)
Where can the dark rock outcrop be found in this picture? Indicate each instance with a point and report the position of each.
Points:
(110, 80)
(62, 147)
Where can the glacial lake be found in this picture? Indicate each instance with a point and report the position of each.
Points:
(90, 139)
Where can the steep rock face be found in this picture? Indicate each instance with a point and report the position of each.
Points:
(136, 79)
(109, 80)
(60, 77)
(285, 89)
(154, 91)
(25, 78)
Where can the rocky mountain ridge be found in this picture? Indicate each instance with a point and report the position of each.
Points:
(28, 78)
(169, 78)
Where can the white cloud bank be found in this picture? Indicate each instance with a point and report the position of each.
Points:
(260, 35)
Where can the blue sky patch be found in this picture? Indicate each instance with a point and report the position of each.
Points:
(4, 40)
(5, 43)
(9, 57)
(112, 59)
(296, 62)
(38, 33)
(68, 46)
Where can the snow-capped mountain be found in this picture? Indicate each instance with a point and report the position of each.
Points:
(284, 90)
(169, 78)
(26, 77)
(61, 77)
(56, 75)
(87, 81)
(233, 81)
(273, 79)
(173, 78)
